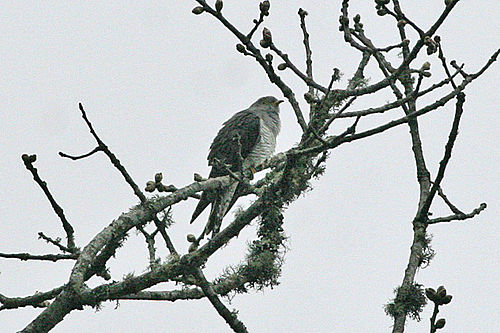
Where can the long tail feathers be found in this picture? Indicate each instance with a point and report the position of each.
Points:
(202, 204)
(220, 207)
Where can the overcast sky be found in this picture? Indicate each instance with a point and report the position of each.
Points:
(157, 82)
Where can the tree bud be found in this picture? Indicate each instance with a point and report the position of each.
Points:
(446, 299)
(381, 12)
(269, 57)
(198, 10)
(426, 66)
(440, 323)
(150, 186)
(158, 177)
(191, 238)
(309, 97)
(302, 13)
(430, 293)
(282, 66)
(264, 44)
(264, 7)
(240, 48)
(218, 5)
(441, 292)
(266, 35)
(28, 158)
(197, 177)
(357, 18)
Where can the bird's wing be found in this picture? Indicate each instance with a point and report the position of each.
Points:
(246, 125)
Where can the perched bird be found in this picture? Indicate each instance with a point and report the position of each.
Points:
(243, 142)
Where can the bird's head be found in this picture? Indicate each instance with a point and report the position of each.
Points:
(267, 103)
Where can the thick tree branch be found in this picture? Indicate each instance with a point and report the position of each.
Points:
(33, 300)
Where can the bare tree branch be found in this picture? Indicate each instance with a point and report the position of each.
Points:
(230, 317)
(43, 257)
(68, 228)
(459, 216)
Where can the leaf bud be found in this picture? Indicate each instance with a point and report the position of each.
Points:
(264, 7)
(437, 39)
(197, 177)
(266, 35)
(282, 66)
(264, 44)
(28, 158)
(441, 292)
(150, 186)
(302, 13)
(158, 177)
(218, 5)
(431, 48)
(440, 323)
(430, 293)
(269, 57)
(446, 299)
(191, 238)
(357, 18)
(381, 12)
(426, 66)
(240, 48)
(308, 97)
(198, 10)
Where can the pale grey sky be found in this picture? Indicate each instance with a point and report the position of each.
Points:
(157, 82)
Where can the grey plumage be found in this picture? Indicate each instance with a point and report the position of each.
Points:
(251, 134)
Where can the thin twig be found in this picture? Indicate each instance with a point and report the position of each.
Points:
(273, 77)
(452, 207)
(256, 26)
(459, 217)
(433, 318)
(399, 15)
(56, 242)
(114, 160)
(445, 66)
(446, 158)
(117, 164)
(42, 257)
(68, 228)
(74, 158)
(231, 318)
(337, 114)
(309, 68)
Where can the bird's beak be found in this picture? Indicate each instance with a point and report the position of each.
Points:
(278, 102)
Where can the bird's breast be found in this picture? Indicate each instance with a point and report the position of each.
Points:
(265, 145)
